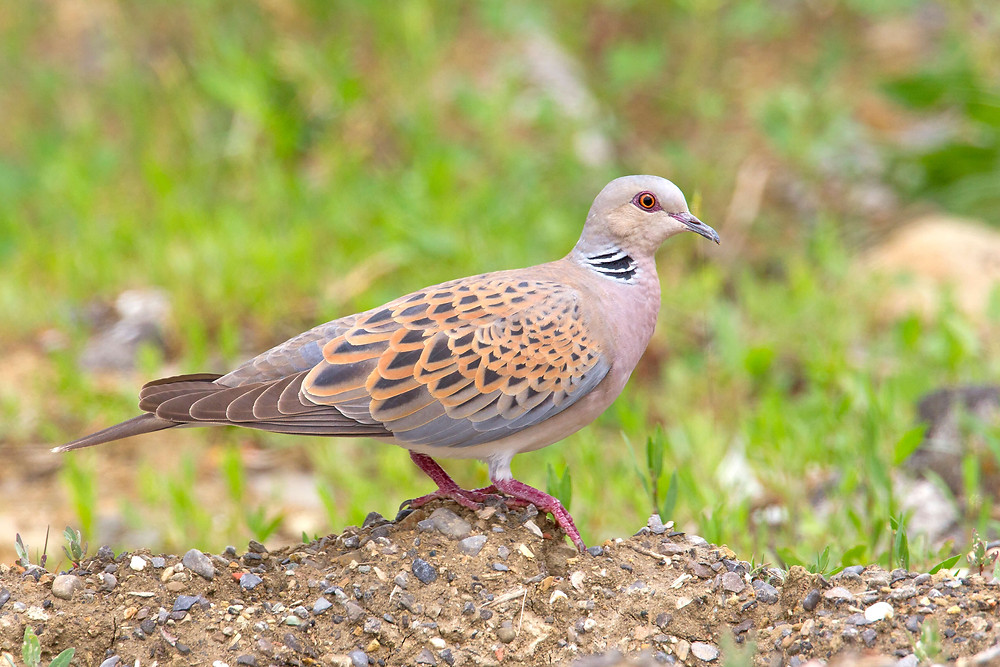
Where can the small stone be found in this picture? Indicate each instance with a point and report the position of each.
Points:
(910, 660)
(148, 626)
(354, 611)
(402, 579)
(468, 609)
(838, 594)
(423, 570)
(448, 658)
(185, 602)
(703, 651)
(4, 596)
(534, 529)
(137, 563)
(506, 632)
(199, 563)
(855, 569)
(65, 585)
(765, 592)
(358, 658)
(247, 660)
(425, 657)
(256, 547)
(437, 642)
(321, 605)
(898, 574)
(595, 551)
(731, 581)
(500, 567)
(904, 593)
(878, 612)
(921, 579)
(857, 619)
(878, 578)
(372, 625)
(471, 546)
(811, 600)
(159, 562)
(447, 523)
(868, 636)
(249, 580)
(113, 661)
(913, 623)
(503, 552)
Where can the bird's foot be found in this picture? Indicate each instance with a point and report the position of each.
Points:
(474, 499)
(521, 492)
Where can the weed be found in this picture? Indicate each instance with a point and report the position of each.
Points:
(31, 652)
(75, 548)
(980, 556)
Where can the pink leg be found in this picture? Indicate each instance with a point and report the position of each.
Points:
(447, 487)
(544, 502)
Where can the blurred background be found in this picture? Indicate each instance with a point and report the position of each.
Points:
(183, 186)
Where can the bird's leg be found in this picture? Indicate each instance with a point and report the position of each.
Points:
(544, 502)
(447, 487)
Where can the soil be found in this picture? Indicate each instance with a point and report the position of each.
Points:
(443, 585)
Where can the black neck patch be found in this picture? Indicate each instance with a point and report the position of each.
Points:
(615, 264)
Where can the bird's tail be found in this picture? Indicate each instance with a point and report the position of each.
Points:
(146, 423)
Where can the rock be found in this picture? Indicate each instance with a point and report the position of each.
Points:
(877, 579)
(159, 562)
(65, 585)
(355, 612)
(878, 612)
(595, 551)
(425, 657)
(247, 660)
(811, 600)
(185, 602)
(921, 579)
(4, 596)
(913, 623)
(500, 567)
(503, 552)
(137, 563)
(321, 605)
(732, 582)
(373, 519)
(447, 523)
(423, 570)
(113, 661)
(199, 563)
(838, 594)
(506, 632)
(249, 580)
(256, 547)
(990, 656)
(471, 546)
(868, 636)
(703, 651)
(903, 593)
(358, 658)
(910, 660)
(764, 591)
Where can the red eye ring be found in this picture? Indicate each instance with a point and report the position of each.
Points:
(645, 200)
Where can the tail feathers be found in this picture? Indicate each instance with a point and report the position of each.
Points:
(146, 423)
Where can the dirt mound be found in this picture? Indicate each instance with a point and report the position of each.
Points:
(445, 586)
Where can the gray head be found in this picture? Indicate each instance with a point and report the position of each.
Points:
(637, 214)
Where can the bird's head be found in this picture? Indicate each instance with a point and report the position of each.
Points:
(638, 213)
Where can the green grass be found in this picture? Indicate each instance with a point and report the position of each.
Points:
(274, 166)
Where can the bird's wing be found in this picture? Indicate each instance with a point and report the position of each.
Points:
(462, 363)
(458, 364)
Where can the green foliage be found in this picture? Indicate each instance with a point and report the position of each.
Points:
(899, 552)
(928, 647)
(75, 548)
(31, 652)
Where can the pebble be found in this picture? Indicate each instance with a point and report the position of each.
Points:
(503, 552)
(913, 623)
(878, 578)
(731, 581)
(425, 657)
(868, 637)
(534, 529)
(898, 574)
(910, 660)
(403, 579)
(372, 626)
(423, 570)
(256, 547)
(358, 658)
(506, 632)
(703, 651)
(878, 611)
(113, 661)
(354, 611)
(249, 580)
(766, 593)
(247, 660)
(4, 596)
(595, 551)
(447, 523)
(471, 546)
(159, 562)
(811, 600)
(137, 563)
(199, 563)
(922, 579)
(500, 567)
(655, 525)
(65, 585)
(321, 605)
(838, 594)
(185, 602)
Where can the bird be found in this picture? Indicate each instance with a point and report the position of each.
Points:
(482, 367)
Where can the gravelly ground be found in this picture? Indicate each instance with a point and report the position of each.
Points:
(446, 586)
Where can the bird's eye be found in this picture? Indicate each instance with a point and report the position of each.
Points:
(646, 200)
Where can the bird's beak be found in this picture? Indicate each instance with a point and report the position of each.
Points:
(696, 225)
